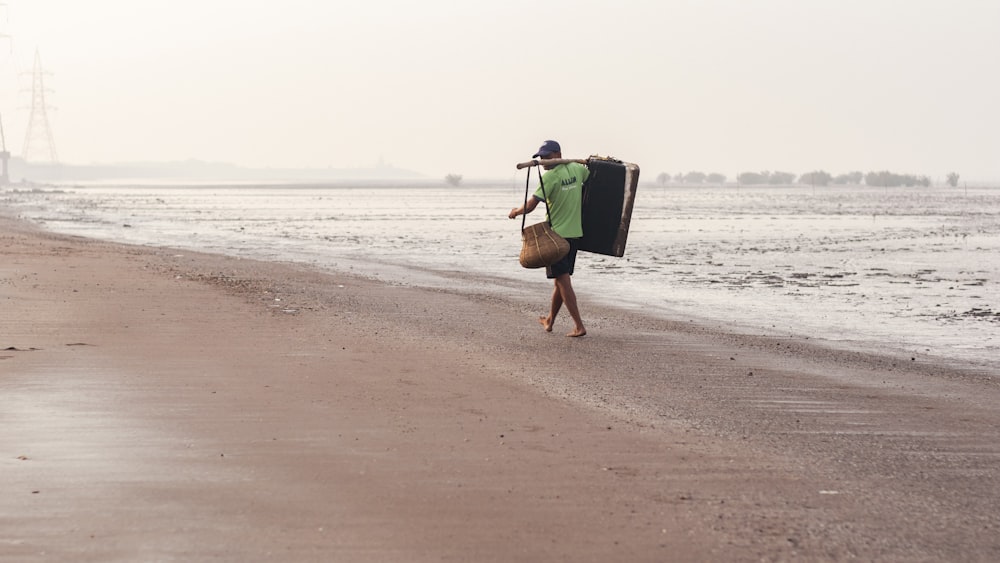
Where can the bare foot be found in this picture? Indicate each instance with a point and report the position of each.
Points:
(577, 333)
(544, 321)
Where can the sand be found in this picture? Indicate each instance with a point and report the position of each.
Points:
(163, 405)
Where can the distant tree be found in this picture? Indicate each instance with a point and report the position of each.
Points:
(953, 179)
(849, 178)
(781, 178)
(694, 177)
(753, 178)
(662, 178)
(817, 178)
(883, 178)
(716, 178)
(679, 177)
(888, 179)
(453, 179)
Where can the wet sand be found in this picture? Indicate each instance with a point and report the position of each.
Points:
(168, 405)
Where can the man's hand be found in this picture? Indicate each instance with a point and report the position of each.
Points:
(514, 213)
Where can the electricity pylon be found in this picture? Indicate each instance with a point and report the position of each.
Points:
(39, 133)
(4, 157)
(10, 40)
(4, 153)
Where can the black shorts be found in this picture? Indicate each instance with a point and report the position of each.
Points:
(564, 266)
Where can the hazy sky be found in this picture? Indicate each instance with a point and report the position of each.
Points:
(473, 87)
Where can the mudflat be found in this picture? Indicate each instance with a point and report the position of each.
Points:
(163, 405)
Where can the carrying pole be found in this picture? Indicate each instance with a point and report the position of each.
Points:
(550, 161)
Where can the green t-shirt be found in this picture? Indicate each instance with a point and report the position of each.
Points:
(564, 188)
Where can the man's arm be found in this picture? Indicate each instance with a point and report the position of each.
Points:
(524, 209)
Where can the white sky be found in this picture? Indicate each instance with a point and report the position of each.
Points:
(473, 87)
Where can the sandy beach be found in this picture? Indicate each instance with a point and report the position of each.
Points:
(161, 405)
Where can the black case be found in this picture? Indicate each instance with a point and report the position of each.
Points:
(608, 196)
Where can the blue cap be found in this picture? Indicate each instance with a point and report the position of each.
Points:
(547, 148)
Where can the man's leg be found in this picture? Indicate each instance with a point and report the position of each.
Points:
(557, 301)
(566, 295)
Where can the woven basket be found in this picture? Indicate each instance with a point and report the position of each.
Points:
(541, 246)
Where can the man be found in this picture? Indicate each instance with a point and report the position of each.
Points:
(564, 189)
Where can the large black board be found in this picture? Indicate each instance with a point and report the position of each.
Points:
(608, 196)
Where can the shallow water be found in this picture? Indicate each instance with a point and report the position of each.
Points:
(912, 269)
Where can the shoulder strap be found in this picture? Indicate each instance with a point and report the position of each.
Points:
(527, 182)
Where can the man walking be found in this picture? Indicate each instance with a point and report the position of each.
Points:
(564, 190)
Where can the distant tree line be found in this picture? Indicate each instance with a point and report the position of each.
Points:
(814, 178)
(888, 179)
(765, 177)
(692, 178)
